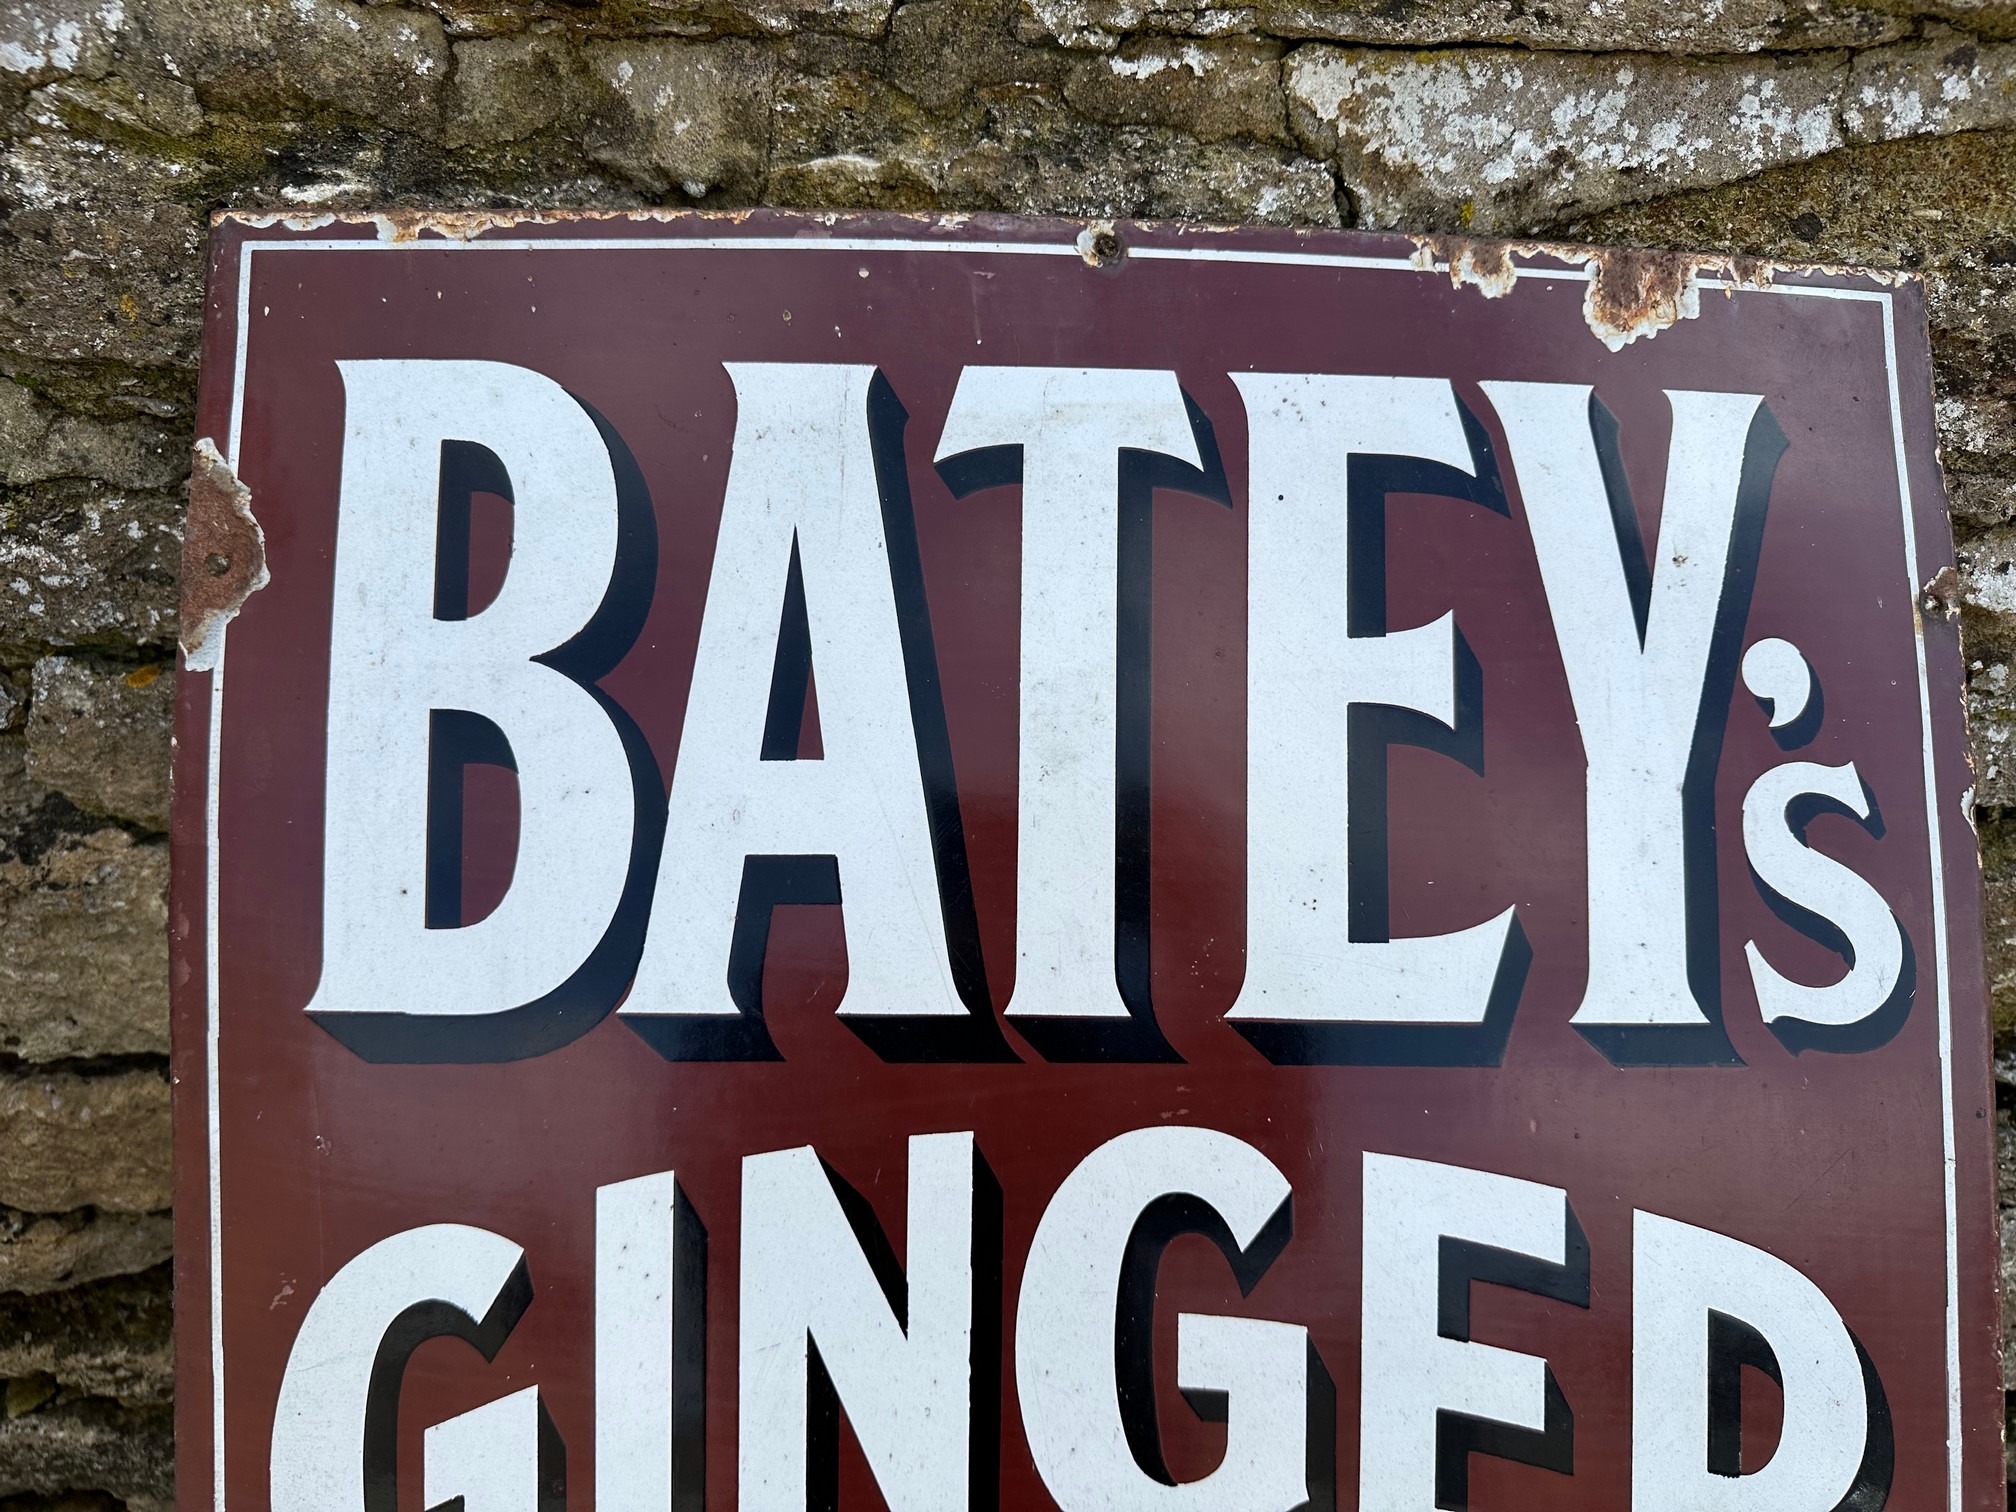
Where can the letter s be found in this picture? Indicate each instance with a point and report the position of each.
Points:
(1827, 902)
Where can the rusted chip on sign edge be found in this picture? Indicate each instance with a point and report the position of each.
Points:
(223, 556)
(467, 225)
(1940, 598)
(1099, 244)
(1631, 293)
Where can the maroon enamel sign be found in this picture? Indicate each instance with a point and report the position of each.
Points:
(849, 862)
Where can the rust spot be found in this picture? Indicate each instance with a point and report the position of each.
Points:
(465, 225)
(140, 677)
(1486, 266)
(1630, 293)
(1940, 598)
(1099, 245)
(1633, 294)
(457, 225)
(223, 556)
(293, 220)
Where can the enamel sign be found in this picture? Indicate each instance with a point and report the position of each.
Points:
(939, 864)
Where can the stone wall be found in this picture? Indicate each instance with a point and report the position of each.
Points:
(1869, 131)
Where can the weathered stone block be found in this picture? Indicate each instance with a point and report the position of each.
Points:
(1215, 91)
(1985, 18)
(1505, 141)
(111, 1338)
(509, 88)
(693, 117)
(1917, 203)
(855, 18)
(274, 61)
(1987, 564)
(96, 263)
(42, 40)
(24, 421)
(43, 1252)
(901, 179)
(83, 946)
(126, 454)
(841, 128)
(1971, 307)
(1114, 171)
(143, 98)
(1999, 932)
(84, 1141)
(1981, 503)
(681, 18)
(1977, 433)
(86, 565)
(1934, 88)
(2008, 1224)
(39, 444)
(98, 733)
(69, 1443)
(1991, 729)
(1223, 182)
(1629, 26)
(952, 54)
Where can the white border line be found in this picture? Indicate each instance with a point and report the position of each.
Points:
(1954, 1424)
(212, 1031)
(1941, 951)
(212, 872)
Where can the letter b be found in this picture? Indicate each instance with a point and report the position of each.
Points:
(408, 672)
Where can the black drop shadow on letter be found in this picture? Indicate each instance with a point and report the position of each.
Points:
(1707, 1043)
(689, 1356)
(983, 1423)
(1161, 1222)
(413, 1327)
(769, 881)
(1372, 731)
(1881, 1025)
(1458, 1435)
(1732, 1344)
(1137, 1037)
